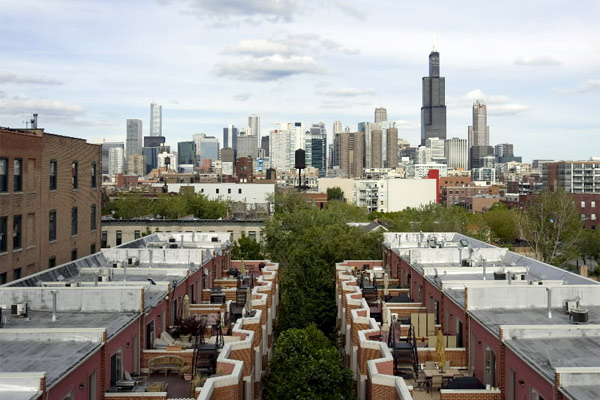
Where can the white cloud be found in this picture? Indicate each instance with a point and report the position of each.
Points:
(347, 92)
(241, 96)
(539, 61)
(9, 77)
(268, 68)
(17, 105)
(589, 86)
(343, 104)
(291, 44)
(496, 104)
(403, 124)
(245, 10)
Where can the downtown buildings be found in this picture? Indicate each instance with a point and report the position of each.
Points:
(433, 111)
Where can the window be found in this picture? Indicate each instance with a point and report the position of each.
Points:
(217, 191)
(116, 368)
(534, 395)
(252, 235)
(52, 262)
(2, 278)
(74, 221)
(93, 217)
(16, 274)
(18, 174)
(229, 191)
(74, 175)
(137, 235)
(73, 254)
(17, 225)
(240, 191)
(592, 204)
(3, 175)
(490, 367)
(94, 175)
(119, 237)
(3, 229)
(583, 204)
(103, 239)
(582, 217)
(52, 225)
(92, 248)
(512, 387)
(593, 217)
(92, 386)
(53, 173)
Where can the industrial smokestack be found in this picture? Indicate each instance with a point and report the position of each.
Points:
(549, 290)
(53, 305)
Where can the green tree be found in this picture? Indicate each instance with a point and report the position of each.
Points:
(246, 249)
(589, 245)
(551, 226)
(306, 365)
(502, 223)
(335, 193)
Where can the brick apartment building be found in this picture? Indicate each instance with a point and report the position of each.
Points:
(49, 201)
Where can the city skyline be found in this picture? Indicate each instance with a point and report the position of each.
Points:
(534, 76)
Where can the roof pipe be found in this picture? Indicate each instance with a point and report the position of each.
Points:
(53, 305)
(549, 290)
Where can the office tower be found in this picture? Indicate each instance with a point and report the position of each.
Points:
(134, 136)
(380, 114)
(264, 145)
(423, 155)
(186, 152)
(116, 161)
(479, 135)
(230, 135)
(316, 148)
(246, 146)
(279, 148)
(50, 202)
(391, 159)
(376, 149)
(207, 147)
(150, 159)
(106, 146)
(154, 141)
(337, 127)
(367, 128)
(437, 150)
(504, 149)
(330, 155)
(227, 161)
(335, 159)
(433, 112)
(136, 165)
(254, 128)
(457, 153)
(155, 119)
(352, 148)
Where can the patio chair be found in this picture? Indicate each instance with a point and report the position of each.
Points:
(430, 365)
(420, 381)
(172, 342)
(435, 382)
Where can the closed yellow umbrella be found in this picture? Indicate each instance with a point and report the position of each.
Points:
(440, 349)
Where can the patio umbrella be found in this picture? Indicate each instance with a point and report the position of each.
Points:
(386, 285)
(386, 319)
(440, 349)
(249, 300)
(185, 307)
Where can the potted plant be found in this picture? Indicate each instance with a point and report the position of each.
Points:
(188, 327)
(186, 371)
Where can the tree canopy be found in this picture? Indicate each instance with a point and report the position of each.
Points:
(335, 194)
(306, 366)
(246, 248)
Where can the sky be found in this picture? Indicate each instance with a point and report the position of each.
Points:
(86, 66)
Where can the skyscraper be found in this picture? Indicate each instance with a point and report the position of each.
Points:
(380, 114)
(316, 148)
(376, 149)
(337, 127)
(230, 135)
(134, 136)
(115, 161)
(186, 152)
(479, 135)
(254, 128)
(437, 150)
(391, 159)
(106, 146)
(433, 112)
(352, 149)
(155, 119)
(207, 147)
(457, 153)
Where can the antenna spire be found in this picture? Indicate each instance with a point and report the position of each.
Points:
(433, 39)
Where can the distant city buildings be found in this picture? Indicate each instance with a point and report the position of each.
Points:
(479, 136)
(106, 146)
(456, 152)
(116, 161)
(186, 152)
(380, 115)
(352, 148)
(433, 112)
(572, 176)
(134, 137)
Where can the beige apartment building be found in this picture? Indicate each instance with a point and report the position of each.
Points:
(49, 201)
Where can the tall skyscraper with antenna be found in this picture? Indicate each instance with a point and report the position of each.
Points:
(433, 112)
(155, 120)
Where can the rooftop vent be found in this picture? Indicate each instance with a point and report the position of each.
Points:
(131, 261)
(570, 305)
(19, 309)
(579, 315)
(499, 276)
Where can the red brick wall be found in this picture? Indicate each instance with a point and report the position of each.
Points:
(465, 395)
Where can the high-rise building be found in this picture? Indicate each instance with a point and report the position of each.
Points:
(380, 114)
(457, 153)
(155, 119)
(264, 145)
(207, 147)
(186, 152)
(150, 159)
(154, 141)
(376, 149)
(230, 135)
(136, 165)
(479, 135)
(316, 148)
(433, 112)
(337, 127)
(423, 155)
(106, 146)
(279, 148)
(352, 148)
(254, 128)
(116, 161)
(50, 202)
(391, 159)
(246, 146)
(437, 149)
(504, 149)
(572, 176)
(134, 136)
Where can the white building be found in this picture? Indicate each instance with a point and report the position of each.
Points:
(423, 155)
(437, 149)
(172, 160)
(116, 161)
(422, 170)
(134, 137)
(457, 153)
(484, 174)
(251, 193)
(155, 119)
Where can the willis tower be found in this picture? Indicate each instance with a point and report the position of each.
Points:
(433, 112)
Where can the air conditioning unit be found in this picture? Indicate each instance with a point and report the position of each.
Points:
(579, 315)
(19, 309)
(569, 305)
(132, 261)
(117, 264)
(72, 284)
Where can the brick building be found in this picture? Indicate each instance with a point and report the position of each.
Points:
(49, 200)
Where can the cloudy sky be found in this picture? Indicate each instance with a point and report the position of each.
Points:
(86, 66)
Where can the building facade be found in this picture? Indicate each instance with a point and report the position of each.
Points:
(456, 151)
(572, 176)
(49, 201)
(155, 120)
(135, 137)
(479, 135)
(106, 146)
(380, 114)
(433, 111)
(352, 149)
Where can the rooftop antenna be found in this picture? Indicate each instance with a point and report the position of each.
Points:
(433, 40)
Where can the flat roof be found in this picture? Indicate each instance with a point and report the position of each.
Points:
(55, 357)
(493, 318)
(582, 392)
(113, 322)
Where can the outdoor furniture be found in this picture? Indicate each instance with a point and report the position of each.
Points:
(166, 363)
(168, 339)
(435, 382)
(430, 365)
(465, 382)
(442, 376)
